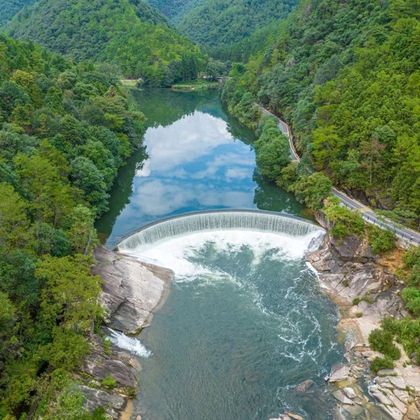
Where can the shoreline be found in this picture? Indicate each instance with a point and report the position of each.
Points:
(391, 393)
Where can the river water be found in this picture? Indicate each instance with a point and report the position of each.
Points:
(245, 321)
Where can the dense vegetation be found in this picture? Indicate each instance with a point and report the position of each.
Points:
(345, 76)
(405, 331)
(128, 33)
(225, 26)
(174, 9)
(64, 132)
(9, 8)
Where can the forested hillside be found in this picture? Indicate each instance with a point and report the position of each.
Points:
(128, 33)
(220, 23)
(346, 76)
(64, 132)
(174, 9)
(9, 8)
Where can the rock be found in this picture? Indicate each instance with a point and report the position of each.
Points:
(386, 372)
(294, 416)
(393, 412)
(401, 395)
(96, 398)
(339, 395)
(379, 394)
(341, 373)
(352, 248)
(413, 412)
(397, 403)
(397, 381)
(131, 290)
(304, 386)
(354, 411)
(349, 392)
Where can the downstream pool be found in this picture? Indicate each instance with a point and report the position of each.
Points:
(245, 321)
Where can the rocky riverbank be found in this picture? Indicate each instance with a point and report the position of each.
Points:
(131, 292)
(366, 290)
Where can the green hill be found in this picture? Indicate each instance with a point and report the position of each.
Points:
(128, 33)
(10, 8)
(221, 23)
(345, 75)
(65, 130)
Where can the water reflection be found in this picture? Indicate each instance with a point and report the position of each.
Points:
(202, 160)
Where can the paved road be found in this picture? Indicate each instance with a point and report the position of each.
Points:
(407, 235)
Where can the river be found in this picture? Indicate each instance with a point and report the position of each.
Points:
(245, 321)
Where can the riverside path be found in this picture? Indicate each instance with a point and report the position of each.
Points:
(409, 236)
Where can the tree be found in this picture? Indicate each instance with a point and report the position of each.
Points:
(272, 150)
(313, 190)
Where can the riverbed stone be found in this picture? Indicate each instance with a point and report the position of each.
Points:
(97, 398)
(349, 392)
(380, 394)
(340, 373)
(131, 289)
(340, 396)
(304, 386)
(387, 372)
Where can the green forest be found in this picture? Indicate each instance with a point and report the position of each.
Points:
(127, 33)
(346, 78)
(343, 74)
(65, 131)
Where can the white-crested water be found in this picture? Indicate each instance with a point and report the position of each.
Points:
(132, 344)
(273, 223)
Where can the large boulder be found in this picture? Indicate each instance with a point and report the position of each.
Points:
(131, 289)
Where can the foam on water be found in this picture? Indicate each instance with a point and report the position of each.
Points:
(133, 345)
(176, 252)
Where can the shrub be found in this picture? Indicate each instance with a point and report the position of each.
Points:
(344, 221)
(381, 363)
(411, 298)
(109, 382)
(382, 341)
(380, 240)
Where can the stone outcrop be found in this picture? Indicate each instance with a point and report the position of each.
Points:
(131, 292)
(366, 291)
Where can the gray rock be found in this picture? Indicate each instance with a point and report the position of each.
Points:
(304, 386)
(339, 395)
(379, 394)
(398, 382)
(340, 373)
(131, 289)
(349, 392)
(387, 372)
(96, 398)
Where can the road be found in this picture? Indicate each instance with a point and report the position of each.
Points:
(409, 236)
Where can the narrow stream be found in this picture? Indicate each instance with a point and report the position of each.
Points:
(245, 321)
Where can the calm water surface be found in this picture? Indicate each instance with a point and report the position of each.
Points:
(249, 323)
(195, 158)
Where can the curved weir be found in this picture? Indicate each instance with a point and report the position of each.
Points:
(254, 220)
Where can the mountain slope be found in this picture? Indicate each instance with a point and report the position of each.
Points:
(345, 75)
(220, 23)
(128, 33)
(174, 9)
(10, 8)
(65, 130)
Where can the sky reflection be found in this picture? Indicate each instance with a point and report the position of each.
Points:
(194, 163)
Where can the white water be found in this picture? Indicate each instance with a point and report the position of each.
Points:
(172, 243)
(176, 252)
(133, 345)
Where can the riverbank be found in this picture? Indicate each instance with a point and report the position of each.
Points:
(366, 290)
(131, 292)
